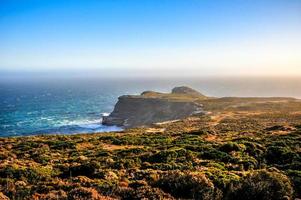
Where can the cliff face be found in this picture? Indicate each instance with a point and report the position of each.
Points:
(151, 107)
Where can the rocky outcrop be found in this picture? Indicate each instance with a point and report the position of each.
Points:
(151, 107)
(186, 90)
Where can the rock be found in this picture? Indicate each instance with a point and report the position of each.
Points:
(186, 91)
(152, 107)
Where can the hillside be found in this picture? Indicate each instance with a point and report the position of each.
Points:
(151, 107)
(243, 148)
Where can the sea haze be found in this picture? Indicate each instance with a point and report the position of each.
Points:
(68, 106)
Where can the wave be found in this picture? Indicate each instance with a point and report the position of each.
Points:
(78, 126)
(79, 122)
(105, 114)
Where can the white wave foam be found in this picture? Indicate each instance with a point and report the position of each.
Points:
(105, 114)
(80, 122)
(90, 125)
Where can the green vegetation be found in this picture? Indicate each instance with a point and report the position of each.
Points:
(246, 152)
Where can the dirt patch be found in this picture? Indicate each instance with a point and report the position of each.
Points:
(155, 130)
(83, 146)
(112, 147)
(216, 119)
(210, 138)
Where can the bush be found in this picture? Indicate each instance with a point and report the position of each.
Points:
(52, 195)
(144, 192)
(296, 180)
(187, 185)
(249, 163)
(31, 175)
(126, 163)
(254, 149)
(85, 169)
(62, 145)
(169, 166)
(166, 156)
(263, 185)
(280, 155)
(213, 154)
(231, 146)
(83, 193)
(222, 179)
(163, 157)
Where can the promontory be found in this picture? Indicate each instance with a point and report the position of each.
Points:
(150, 107)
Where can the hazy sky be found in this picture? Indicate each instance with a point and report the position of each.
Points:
(192, 37)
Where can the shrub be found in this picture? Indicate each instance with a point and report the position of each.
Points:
(26, 146)
(280, 155)
(62, 145)
(52, 195)
(107, 187)
(41, 158)
(150, 193)
(169, 166)
(166, 156)
(126, 163)
(213, 154)
(296, 180)
(231, 146)
(32, 175)
(82, 193)
(222, 179)
(138, 183)
(163, 157)
(248, 163)
(4, 155)
(108, 174)
(254, 149)
(187, 185)
(263, 185)
(86, 169)
(144, 192)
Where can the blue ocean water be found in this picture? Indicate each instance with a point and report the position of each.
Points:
(67, 106)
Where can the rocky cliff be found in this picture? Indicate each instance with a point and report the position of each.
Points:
(151, 107)
(186, 91)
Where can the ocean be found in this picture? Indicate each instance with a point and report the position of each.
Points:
(69, 106)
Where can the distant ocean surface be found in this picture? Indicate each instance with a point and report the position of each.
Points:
(68, 106)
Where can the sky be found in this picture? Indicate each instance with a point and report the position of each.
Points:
(151, 37)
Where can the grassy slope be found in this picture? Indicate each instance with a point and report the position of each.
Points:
(242, 145)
